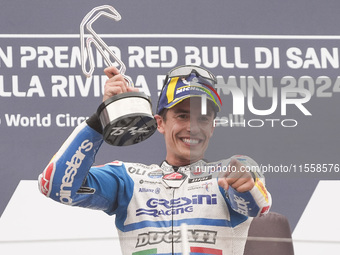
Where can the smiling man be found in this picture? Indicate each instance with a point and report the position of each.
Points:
(217, 205)
(186, 131)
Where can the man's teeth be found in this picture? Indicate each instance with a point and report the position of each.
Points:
(190, 141)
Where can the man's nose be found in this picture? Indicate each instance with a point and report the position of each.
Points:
(193, 126)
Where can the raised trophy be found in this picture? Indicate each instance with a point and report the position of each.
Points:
(126, 118)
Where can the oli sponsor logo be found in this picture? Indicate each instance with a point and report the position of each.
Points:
(137, 171)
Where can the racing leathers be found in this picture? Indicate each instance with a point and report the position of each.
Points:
(151, 202)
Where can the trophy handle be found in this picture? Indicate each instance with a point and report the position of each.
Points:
(100, 45)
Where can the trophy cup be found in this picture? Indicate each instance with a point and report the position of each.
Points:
(126, 118)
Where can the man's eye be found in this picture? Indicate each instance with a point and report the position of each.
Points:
(204, 119)
(182, 116)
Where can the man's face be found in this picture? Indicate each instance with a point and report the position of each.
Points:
(186, 131)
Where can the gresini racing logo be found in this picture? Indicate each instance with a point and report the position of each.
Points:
(157, 207)
(194, 236)
(71, 171)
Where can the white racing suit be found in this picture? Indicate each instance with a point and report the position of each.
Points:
(151, 202)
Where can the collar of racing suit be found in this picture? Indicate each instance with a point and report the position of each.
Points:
(175, 176)
(166, 167)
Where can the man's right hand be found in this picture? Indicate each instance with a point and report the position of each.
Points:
(116, 83)
(237, 177)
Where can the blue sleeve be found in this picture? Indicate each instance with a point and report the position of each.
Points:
(69, 178)
(251, 203)
(112, 188)
(255, 202)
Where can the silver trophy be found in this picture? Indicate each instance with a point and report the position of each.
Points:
(126, 118)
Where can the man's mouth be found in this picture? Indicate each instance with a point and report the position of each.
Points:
(190, 141)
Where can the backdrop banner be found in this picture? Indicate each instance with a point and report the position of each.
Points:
(277, 67)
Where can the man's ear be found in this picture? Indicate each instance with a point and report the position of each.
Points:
(160, 123)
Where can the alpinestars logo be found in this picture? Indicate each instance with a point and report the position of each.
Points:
(71, 171)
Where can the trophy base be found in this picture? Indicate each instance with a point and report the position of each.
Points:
(127, 119)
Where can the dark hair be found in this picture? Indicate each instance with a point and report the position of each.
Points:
(163, 113)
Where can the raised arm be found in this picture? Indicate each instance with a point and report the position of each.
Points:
(69, 178)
